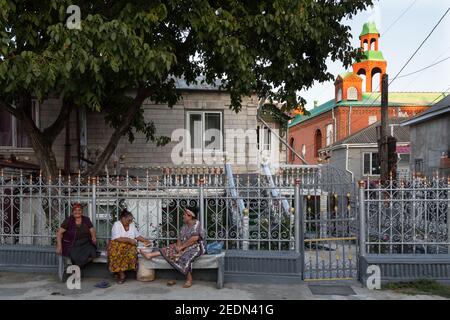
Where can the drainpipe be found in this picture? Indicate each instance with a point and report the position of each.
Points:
(346, 161)
(334, 125)
(349, 121)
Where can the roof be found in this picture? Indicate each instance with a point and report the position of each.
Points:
(372, 55)
(369, 28)
(345, 75)
(440, 108)
(370, 99)
(181, 84)
(369, 134)
(273, 111)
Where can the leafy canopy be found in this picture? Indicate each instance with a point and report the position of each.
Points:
(272, 48)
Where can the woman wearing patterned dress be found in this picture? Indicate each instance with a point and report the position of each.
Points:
(189, 246)
(122, 250)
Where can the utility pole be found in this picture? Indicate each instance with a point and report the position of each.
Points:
(383, 151)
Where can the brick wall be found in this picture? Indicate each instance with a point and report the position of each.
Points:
(304, 132)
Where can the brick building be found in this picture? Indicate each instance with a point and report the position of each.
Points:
(355, 106)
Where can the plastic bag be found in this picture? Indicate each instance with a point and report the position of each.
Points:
(144, 274)
(214, 247)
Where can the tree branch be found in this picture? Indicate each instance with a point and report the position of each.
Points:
(9, 108)
(132, 109)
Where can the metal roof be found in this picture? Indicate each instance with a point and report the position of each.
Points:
(369, 28)
(373, 55)
(373, 99)
(369, 134)
(440, 108)
(200, 84)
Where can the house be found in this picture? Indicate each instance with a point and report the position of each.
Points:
(358, 153)
(430, 140)
(355, 106)
(204, 131)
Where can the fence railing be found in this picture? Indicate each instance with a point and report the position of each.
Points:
(33, 208)
(406, 217)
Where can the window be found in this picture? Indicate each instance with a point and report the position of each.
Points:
(418, 165)
(303, 150)
(352, 93)
(317, 142)
(329, 130)
(12, 132)
(263, 138)
(205, 129)
(371, 164)
(372, 119)
(339, 95)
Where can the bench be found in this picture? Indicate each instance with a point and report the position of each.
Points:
(64, 262)
(206, 261)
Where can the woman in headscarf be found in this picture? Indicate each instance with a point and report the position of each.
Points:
(76, 238)
(122, 250)
(189, 246)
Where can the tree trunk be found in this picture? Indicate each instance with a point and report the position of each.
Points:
(44, 154)
(42, 146)
(41, 141)
(132, 110)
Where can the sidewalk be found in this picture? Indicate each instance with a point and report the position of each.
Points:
(39, 286)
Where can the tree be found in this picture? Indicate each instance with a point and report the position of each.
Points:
(127, 52)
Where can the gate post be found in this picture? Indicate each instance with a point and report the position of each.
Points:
(201, 181)
(297, 215)
(299, 232)
(362, 219)
(94, 203)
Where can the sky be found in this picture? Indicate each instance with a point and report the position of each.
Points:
(398, 42)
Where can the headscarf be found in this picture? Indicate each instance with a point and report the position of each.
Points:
(191, 213)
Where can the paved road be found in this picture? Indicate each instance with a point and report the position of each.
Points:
(39, 286)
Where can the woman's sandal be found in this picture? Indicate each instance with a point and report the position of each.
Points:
(187, 284)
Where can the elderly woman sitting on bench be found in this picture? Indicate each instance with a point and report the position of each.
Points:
(122, 250)
(189, 246)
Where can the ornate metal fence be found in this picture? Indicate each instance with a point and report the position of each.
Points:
(247, 214)
(406, 217)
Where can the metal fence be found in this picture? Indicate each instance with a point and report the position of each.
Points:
(247, 213)
(406, 217)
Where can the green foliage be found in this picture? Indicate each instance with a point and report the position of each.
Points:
(422, 286)
(274, 48)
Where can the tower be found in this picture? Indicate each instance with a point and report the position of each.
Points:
(372, 62)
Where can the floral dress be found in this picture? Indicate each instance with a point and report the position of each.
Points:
(183, 261)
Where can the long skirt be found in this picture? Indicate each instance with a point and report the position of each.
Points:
(181, 262)
(82, 252)
(122, 256)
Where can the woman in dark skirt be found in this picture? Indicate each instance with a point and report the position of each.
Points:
(189, 246)
(76, 238)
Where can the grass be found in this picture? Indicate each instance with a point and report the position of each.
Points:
(428, 287)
